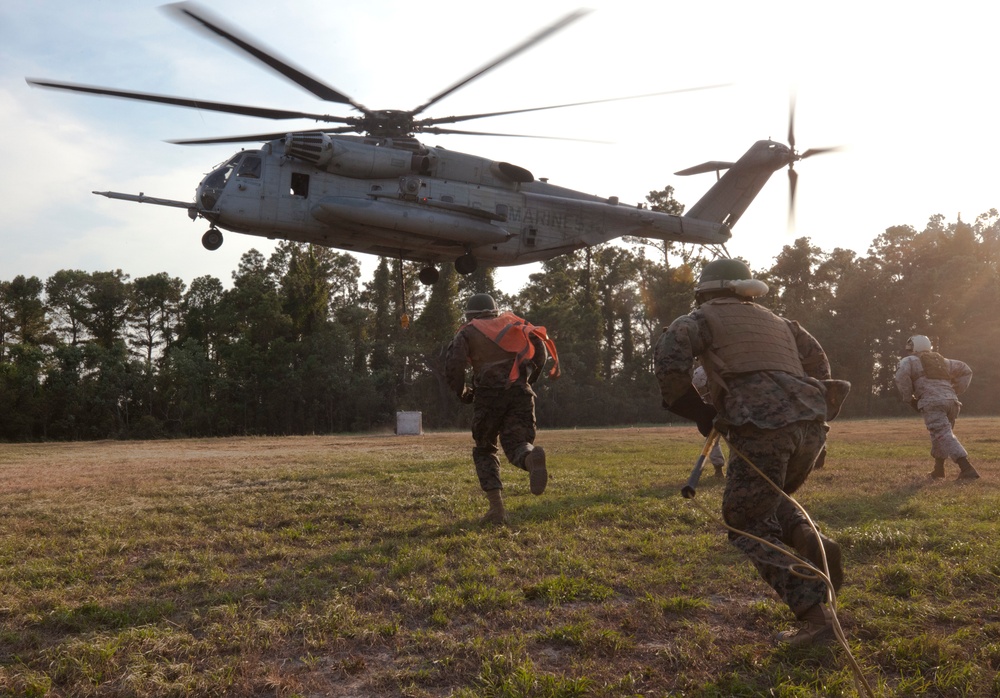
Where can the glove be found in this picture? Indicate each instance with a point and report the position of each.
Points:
(467, 395)
(536, 371)
(691, 406)
(913, 404)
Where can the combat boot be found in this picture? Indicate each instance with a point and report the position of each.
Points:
(719, 472)
(497, 514)
(968, 472)
(818, 628)
(538, 476)
(805, 544)
(938, 471)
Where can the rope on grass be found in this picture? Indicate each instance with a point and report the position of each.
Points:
(802, 568)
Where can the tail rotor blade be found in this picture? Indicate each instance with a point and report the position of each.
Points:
(819, 151)
(793, 178)
(791, 122)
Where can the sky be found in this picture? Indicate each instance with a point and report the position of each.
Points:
(905, 89)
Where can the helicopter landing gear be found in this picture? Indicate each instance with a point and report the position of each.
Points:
(466, 264)
(429, 275)
(212, 239)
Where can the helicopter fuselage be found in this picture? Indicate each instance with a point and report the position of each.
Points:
(426, 204)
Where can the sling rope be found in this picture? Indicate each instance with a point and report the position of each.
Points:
(802, 568)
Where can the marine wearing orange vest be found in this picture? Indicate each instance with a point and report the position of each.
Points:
(507, 355)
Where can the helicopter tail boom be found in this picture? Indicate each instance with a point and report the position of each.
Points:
(730, 196)
(617, 220)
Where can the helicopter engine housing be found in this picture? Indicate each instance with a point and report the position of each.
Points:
(352, 159)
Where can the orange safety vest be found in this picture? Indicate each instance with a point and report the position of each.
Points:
(513, 334)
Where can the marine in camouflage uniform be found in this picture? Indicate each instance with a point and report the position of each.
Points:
(503, 401)
(931, 384)
(766, 375)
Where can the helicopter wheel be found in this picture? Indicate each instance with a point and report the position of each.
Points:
(212, 239)
(466, 264)
(429, 275)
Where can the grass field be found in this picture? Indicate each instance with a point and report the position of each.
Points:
(354, 566)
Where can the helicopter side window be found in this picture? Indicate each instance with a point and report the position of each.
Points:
(250, 167)
(300, 185)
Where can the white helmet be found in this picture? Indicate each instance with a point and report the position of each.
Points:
(918, 343)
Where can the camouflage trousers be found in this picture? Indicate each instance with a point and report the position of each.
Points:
(939, 418)
(506, 415)
(786, 455)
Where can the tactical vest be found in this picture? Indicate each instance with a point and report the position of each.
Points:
(513, 335)
(746, 338)
(935, 366)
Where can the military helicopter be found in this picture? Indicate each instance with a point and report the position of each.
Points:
(383, 192)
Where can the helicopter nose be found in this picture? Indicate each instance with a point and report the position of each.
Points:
(207, 194)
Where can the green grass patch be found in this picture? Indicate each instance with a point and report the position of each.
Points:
(357, 566)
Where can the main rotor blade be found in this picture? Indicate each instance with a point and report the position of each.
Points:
(467, 117)
(436, 130)
(198, 15)
(255, 137)
(261, 112)
(523, 46)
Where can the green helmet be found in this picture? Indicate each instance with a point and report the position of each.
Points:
(480, 304)
(728, 277)
(724, 270)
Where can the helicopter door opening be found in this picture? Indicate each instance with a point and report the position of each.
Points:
(300, 185)
(291, 209)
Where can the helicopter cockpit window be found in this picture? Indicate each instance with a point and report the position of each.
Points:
(218, 177)
(300, 185)
(250, 167)
(211, 187)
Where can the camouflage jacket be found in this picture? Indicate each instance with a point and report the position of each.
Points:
(767, 399)
(911, 382)
(490, 364)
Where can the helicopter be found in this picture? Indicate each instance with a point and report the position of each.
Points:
(369, 186)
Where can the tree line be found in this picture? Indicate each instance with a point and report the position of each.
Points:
(298, 344)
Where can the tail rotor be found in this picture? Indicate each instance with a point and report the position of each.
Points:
(793, 176)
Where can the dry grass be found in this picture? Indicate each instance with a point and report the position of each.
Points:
(355, 566)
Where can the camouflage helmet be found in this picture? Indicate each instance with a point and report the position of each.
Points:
(480, 304)
(729, 277)
(918, 343)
